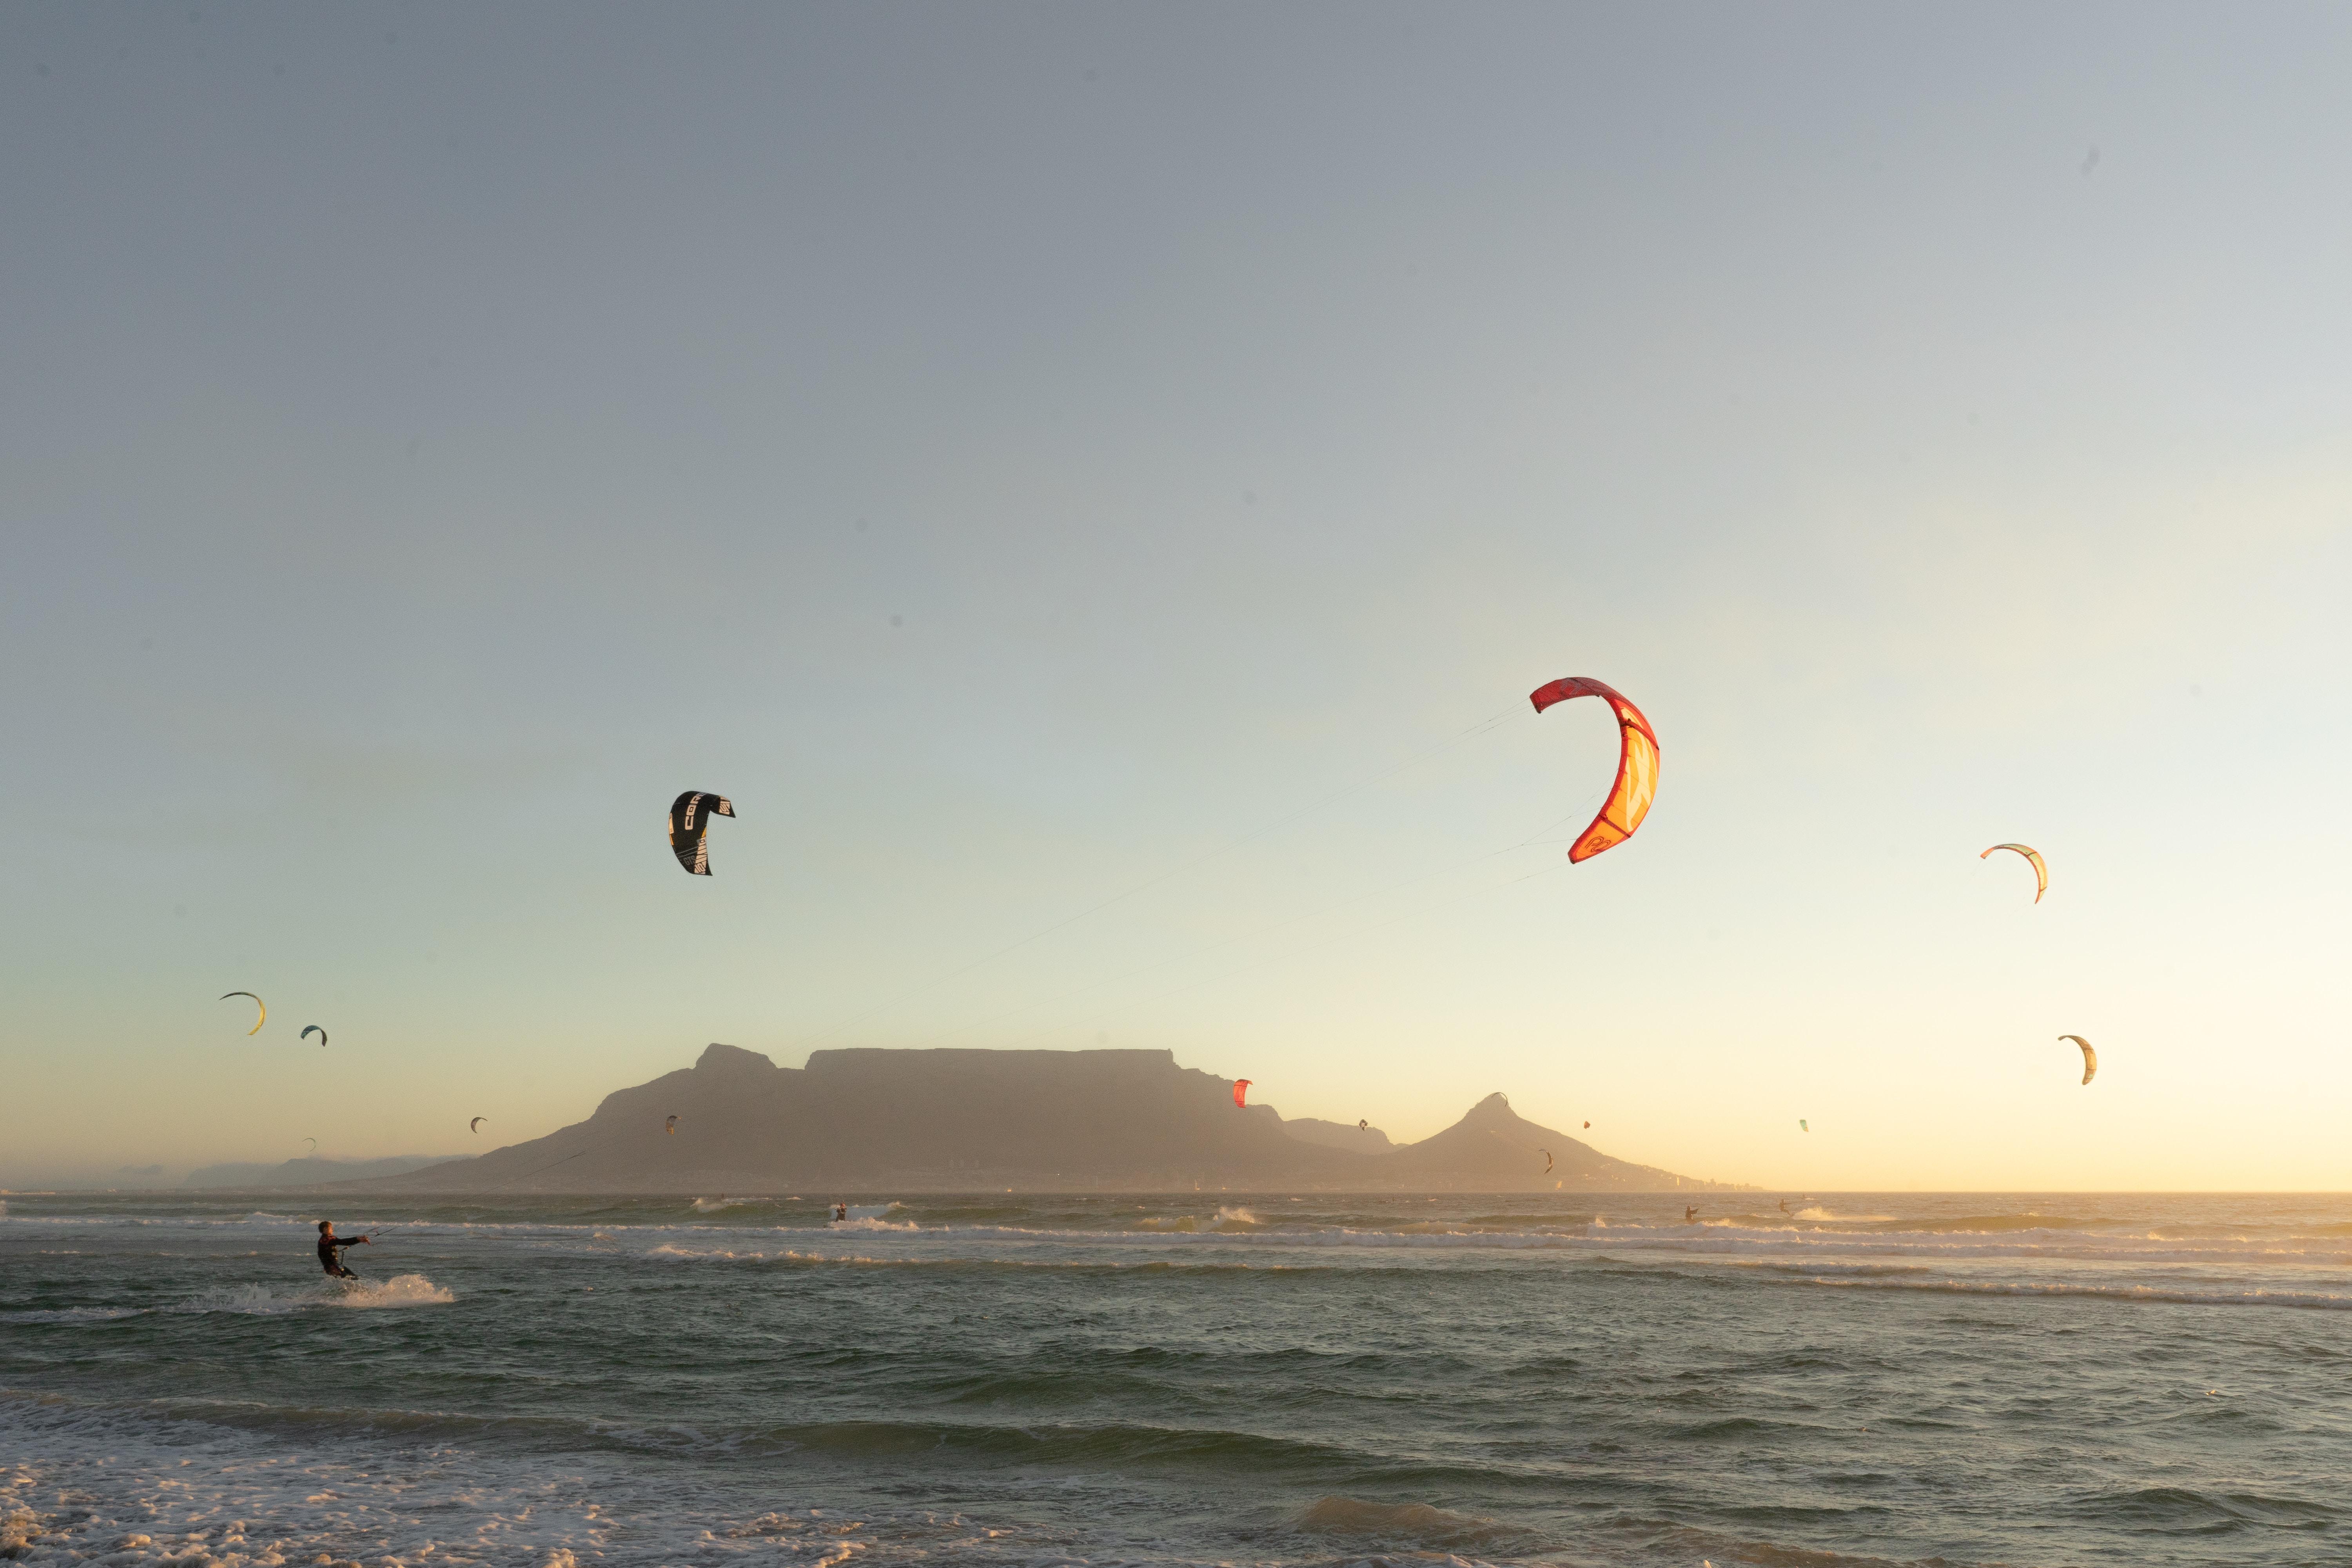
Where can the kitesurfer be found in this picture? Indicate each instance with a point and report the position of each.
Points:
(1690, 1214)
(330, 1250)
(840, 1213)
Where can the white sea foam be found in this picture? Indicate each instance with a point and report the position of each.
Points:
(672, 1250)
(108, 1486)
(262, 1300)
(1228, 1219)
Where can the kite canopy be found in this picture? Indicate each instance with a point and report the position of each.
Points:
(310, 1029)
(1241, 1088)
(257, 1002)
(475, 1125)
(689, 819)
(2041, 870)
(670, 1127)
(1637, 764)
(1800, 1125)
(2089, 1057)
(1364, 1126)
(1547, 1154)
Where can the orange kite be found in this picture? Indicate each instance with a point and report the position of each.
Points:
(1637, 764)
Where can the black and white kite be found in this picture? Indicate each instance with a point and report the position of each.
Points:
(689, 819)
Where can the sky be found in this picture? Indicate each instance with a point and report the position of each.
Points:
(1095, 485)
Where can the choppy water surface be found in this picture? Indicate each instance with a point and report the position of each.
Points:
(2143, 1380)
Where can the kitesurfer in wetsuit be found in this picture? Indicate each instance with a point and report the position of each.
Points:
(330, 1253)
(841, 1214)
(1690, 1214)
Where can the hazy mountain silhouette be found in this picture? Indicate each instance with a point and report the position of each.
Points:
(967, 1121)
(1339, 1135)
(310, 1171)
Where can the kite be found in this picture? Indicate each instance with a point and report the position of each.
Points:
(1637, 764)
(313, 1143)
(310, 1029)
(670, 1127)
(1547, 1154)
(257, 1002)
(2089, 1057)
(1363, 1126)
(1588, 1127)
(2041, 870)
(1241, 1088)
(689, 817)
(1800, 1125)
(475, 1125)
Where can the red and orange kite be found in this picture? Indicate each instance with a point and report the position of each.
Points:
(1241, 1088)
(2041, 873)
(1637, 764)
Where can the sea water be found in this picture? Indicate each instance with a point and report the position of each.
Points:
(1221, 1379)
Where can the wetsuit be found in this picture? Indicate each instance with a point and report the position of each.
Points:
(330, 1254)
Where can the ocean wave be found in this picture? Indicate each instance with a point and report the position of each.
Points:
(114, 1486)
(73, 1314)
(261, 1300)
(143, 1488)
(2159, 1295)
(2182, 1509)
(1713, 1549)
(1418, 1524)
(1228, 1220)
(671, 1252)
(1237, 1227)
(1106, 1443)
(1696, 1241)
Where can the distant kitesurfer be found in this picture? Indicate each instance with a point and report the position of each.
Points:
(330, 1250)
(1690, 1214)
(1784, 1205)
(840, 1211)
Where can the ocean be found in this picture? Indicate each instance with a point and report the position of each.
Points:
(1868, 1378)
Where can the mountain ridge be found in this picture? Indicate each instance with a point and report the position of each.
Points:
(870, 1119)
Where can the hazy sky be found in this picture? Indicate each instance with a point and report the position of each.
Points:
(1020, 452)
